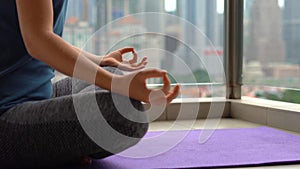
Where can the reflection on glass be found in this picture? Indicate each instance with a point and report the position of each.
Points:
(271, 51)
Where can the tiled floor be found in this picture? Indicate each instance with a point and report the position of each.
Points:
(220, 124)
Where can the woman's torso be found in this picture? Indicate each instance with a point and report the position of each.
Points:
(23, 78)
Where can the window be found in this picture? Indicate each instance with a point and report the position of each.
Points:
(272, 50)
(183, 37)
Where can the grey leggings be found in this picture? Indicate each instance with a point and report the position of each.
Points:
(47, 133)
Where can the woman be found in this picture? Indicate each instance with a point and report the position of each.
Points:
(38, 123)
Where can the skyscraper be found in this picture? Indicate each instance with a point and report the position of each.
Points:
(212, 21)
(200, 29)
(265, 42)
(154, 24)
(108, 10)
(75, 9)
(194, 12)
(291, 25)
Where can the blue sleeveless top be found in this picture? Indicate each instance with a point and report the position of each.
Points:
(23, 78)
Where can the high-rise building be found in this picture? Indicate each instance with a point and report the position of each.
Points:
(265, 42)
(199, 41)
(219, 43)
(109, 10)
(291, 30)
(75, 9)
(203, 14)
(189, 12)
(247, 19)
(153, 24)
(212, 22)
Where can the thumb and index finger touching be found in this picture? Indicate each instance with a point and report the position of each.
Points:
(170, 94)
(127, 50)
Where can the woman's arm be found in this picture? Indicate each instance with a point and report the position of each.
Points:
(94, 58)
(115, 59)
(36, 24)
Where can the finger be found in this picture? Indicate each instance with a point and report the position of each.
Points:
(138, 67)
(134, 59)
(145, 58)
(143, 62)
(126, 50)
(125, 62)
(116, 55)
(153, 73)
(173, 94)
(129, 68)
(157, 97)
(167, 84)
(125, 67)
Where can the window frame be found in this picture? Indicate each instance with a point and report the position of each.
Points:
(233, 47)
(276, 114)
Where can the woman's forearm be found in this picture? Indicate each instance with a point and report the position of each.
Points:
(53, 50)
(95, 58)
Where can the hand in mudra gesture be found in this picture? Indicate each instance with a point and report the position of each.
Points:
(134, 85)
(115, 59)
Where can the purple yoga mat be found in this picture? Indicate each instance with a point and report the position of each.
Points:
(225, 148)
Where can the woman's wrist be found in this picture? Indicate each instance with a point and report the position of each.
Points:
(102, 60)
(104, 79)
(119, 84)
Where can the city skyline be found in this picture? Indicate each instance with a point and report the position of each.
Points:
(205, 15)
(202, 14)
(199, 26)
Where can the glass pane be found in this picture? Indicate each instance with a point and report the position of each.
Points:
(272, 49)
(183, 37)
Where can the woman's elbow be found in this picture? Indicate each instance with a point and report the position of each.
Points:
(34, 42)
(29, 45)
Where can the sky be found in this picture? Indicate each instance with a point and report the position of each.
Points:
(220, 5)
(170, 5)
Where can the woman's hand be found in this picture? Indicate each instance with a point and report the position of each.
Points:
(134, 85)
(115, 59)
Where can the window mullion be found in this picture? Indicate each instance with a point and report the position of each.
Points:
(233, 48)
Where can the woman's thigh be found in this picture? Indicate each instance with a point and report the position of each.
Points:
(50, 131)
